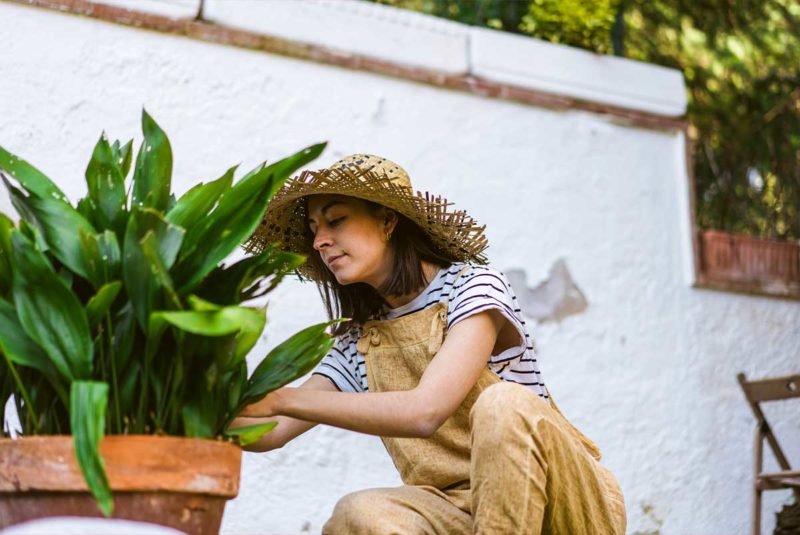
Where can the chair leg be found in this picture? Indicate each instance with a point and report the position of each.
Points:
(758, 452)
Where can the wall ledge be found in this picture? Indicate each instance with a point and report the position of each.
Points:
(419, 48)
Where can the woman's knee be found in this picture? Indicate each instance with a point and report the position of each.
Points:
(501, 400)
(356, 513)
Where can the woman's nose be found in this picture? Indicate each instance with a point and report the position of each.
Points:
(321, 238)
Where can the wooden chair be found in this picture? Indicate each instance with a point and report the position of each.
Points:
(770, 389)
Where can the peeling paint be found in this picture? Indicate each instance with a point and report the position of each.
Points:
(553, 299)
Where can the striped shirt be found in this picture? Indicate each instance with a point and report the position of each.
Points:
(480, 288)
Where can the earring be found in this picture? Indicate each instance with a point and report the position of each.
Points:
(388, 236)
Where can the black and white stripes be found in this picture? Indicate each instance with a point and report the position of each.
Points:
(478, 289)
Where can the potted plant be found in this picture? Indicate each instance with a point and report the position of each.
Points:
(748, 264)
(118, 319)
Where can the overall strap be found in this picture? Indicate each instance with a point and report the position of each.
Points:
(439, 321)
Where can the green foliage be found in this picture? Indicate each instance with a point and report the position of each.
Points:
(573, 22)
(118, 316)
(741, 62)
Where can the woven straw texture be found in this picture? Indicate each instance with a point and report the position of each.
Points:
(453, 232)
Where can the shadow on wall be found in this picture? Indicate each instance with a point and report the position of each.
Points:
(553, 299)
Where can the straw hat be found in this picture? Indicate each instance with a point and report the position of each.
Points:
(455, 234)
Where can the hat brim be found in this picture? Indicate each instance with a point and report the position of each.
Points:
(453, 232)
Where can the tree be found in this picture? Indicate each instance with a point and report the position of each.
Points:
(741, 62)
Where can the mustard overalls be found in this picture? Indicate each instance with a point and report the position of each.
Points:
(506, 462)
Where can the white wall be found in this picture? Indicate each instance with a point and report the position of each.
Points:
(647, 370)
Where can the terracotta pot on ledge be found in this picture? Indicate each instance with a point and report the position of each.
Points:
(737, 262)
(182, 483)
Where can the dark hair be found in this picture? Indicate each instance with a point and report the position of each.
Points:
(410, 245)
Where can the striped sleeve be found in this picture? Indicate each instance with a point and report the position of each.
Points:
(340, 365)
(484, 288)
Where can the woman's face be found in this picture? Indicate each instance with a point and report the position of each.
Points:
(350, 239)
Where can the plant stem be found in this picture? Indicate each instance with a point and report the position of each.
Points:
(102, 356)
(114, 384)
(161, 408)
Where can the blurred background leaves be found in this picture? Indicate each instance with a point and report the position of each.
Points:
(741, 62)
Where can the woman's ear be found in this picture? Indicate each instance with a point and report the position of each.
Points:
(389, 220)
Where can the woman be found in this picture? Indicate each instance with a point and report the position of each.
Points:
(436, 360)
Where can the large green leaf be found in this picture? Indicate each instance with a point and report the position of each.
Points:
(226, 320)
(101, 302)
(49, 312)
(153, 172)
(88, 404)
(288, 361)
(250, 433)
(31, 178)
(196, 203)
(106, 185)
(236, 217)
(20, 349)
(59, 224)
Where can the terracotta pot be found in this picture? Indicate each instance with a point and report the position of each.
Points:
(178, 482)
(746, 263)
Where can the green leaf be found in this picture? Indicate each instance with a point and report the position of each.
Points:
(122, 155)
(6, 226)
(20, 349)
(168, 236)
(196, 203)
(29, 177)
(88, 401)
(124, 325)
(250, 433)
(201, 305)
(224, 321)
(101, 302)
(236, 382)
(236, 217)
(142, 278)
(288, 361)
(106, 185)
(128, 387)
(59, 224)
(102, 256)
(250, 277)
(49, 312)
(153, 173)
(85, 207)
(248, 337)
(265, 277)
(199, 410)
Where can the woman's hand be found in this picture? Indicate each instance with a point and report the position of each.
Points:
(269, 406)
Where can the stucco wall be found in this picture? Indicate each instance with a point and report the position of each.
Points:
(647, 369)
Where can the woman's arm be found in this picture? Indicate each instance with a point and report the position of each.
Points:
(413, 413)
(288, 428)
